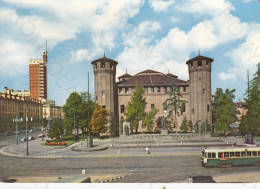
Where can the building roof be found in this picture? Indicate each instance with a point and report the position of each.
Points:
(199, 57)
(150, 78)
(125, 75)
(239, 104)
(104, 59)
(171, 75)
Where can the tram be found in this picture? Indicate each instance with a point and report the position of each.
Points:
(228, 157)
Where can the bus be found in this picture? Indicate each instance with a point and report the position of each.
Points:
(228, 157)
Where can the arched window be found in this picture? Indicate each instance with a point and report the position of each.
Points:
(103, 65)
(199, 63)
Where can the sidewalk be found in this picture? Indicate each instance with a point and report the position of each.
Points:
(36, 150)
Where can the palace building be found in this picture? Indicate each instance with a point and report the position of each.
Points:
(114, 96)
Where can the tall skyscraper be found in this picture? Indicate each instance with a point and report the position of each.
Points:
(38, 69)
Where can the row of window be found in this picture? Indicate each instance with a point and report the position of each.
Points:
(152, 89)
(192, 110)
(199, 63)
(183, 106)
(103, 65)
(232, 154)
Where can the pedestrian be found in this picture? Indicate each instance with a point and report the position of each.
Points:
(147, 150)
(190, 180)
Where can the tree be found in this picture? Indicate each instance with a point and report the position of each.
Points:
(77, 104)
(173, 103)
(218, 93)
(87, 102)
(149, 118)
(251, 121)
(99, 120)
(184, 124)
(56, 130)
(135, 110)
(225, 112)
(70, 109)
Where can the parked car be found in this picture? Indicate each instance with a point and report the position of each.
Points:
(30, 131)
(42, 129)
(31, 138)
(23, 139)
(41, 135)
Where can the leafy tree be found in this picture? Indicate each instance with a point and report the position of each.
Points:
(225, 112)
(135, 110)
(173, 103)
(149, 118)
(99, 120)
(72, 107)
(251, 121)
(77, 104)
(56, 130)
(218, 93)
(184, 124)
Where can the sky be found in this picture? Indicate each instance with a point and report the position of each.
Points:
(139, 34)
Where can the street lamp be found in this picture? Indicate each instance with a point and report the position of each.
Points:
(27, 149)
(17, 120)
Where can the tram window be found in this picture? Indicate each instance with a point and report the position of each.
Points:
(203, 153)
(243, 154)
(237, 154)
(220, 155)
(232, 154)
(258, 153)
(254, 153)
(214, 155)
(248, 154)
(209, 155)
(226, 154)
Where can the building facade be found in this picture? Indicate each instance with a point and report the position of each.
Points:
(196, 92)
(13, 106)
(38, 70)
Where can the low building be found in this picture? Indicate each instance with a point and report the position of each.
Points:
(14, 106)
(50, 112)
(241, 110)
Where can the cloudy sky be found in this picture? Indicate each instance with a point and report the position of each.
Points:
(140, 34)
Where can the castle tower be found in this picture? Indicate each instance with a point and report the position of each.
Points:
(200, 88)
(106, 90)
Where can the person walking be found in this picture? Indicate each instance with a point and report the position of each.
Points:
(190, 180)
(147, 150)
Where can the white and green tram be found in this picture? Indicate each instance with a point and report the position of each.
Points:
(228, 157)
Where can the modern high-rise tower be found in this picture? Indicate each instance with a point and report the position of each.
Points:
(38, 69)
(106, 90)
(200, 89)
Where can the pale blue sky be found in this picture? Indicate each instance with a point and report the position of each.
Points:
(151, 34)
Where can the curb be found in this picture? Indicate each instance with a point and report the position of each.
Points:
(115, 178)
(28, 156)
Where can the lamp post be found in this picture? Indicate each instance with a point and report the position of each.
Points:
(17, 120)
(89, 139)
(27, 149)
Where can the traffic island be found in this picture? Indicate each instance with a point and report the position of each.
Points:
(83, 148)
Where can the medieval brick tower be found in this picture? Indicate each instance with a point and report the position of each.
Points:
(106, 90)
(200, 88)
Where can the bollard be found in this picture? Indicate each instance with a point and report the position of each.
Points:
(84, 172)
(181, 144)
(111, 145)
(158, 144)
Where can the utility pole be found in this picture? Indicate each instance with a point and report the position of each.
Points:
(89, 141)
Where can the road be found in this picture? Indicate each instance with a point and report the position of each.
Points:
(163, 165)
